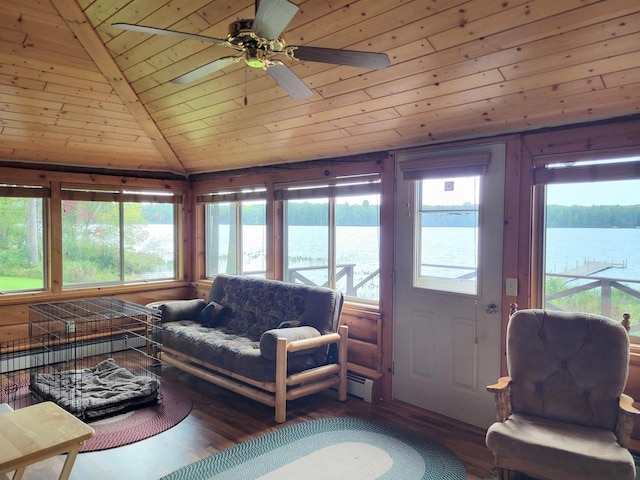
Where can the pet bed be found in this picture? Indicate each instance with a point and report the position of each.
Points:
(91, 393)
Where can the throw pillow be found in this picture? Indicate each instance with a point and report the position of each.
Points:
(213, 314)
(176, 310)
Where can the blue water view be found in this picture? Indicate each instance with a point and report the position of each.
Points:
(568, 248)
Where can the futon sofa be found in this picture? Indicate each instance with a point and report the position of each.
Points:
(271, 341)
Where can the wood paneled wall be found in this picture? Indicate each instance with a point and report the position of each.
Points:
(371, 329)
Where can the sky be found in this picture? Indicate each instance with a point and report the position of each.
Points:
(623, 192)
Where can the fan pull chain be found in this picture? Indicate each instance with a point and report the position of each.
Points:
(246, 100)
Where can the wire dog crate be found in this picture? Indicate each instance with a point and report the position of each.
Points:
(93, 357)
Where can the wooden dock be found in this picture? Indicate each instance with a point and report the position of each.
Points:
(592, 266)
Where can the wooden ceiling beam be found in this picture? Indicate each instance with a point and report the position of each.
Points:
(75, 18)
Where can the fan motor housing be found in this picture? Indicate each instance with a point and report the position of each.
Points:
(241, 34)
(240, 30)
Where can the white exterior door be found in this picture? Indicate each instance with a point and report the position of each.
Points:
(448, 280)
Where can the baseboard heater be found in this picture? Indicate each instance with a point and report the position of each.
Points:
(359, 386)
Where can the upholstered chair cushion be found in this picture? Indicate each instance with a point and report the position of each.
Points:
(569, 367)
(559, 450)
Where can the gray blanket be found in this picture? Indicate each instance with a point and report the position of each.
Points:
(105, 389)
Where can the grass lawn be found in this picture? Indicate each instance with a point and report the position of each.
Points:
(19, 283)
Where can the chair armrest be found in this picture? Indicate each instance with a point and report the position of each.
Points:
(502, 384)
(624, 426)
(626, 404)
(502, 397)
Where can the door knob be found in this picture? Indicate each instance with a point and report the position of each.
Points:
(491, 309)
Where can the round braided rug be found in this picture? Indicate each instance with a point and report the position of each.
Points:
(340, 448)
(141, 423)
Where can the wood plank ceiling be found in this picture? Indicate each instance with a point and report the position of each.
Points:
(76, 91)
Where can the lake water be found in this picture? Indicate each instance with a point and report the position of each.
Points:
(566, 248)
(571, 247)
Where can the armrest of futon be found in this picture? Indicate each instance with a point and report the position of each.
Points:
(269, 340)
(176, 310)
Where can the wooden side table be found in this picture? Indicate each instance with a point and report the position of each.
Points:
(38, 432)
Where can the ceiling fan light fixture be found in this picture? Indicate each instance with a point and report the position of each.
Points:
(255, 58)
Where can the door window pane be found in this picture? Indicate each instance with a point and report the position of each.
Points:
(591, 260)
(447, 234)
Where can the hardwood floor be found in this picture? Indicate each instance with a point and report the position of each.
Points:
(220, 419)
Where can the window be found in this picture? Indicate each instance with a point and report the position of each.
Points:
(235, 232)
(591, 233)
(115, 237)
(447, 206)
(22, 237)
(332, 235)
(447, 234)
(357, 246)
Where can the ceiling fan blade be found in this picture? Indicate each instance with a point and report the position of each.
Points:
(376, 61)
(164, 31)
(272, 18)
(205, 70)
(289, 81)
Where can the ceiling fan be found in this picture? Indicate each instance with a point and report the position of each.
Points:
(259, 42)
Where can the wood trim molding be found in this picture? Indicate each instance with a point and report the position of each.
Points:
(75, 18)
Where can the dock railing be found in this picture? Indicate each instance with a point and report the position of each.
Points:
(344, 271)
(607, 286)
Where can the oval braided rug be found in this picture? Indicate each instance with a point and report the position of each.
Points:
(141, 423)
(331, 448)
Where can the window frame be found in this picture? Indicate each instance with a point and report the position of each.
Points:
(440, 283)
(587, 167)
(329, 189)
(27, 190)
(463, 162)
(121, 196)
(237, 197)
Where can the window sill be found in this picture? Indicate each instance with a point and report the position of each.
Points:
(86, 292)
